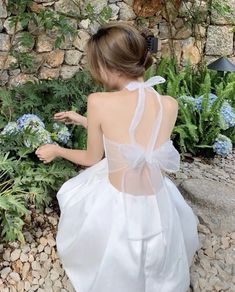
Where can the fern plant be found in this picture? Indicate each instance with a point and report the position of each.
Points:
(196, 130)
(25, 181)
(12, 203)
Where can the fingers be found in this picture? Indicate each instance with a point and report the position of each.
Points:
(44, 160)
(61, 115)
(45, 153)
(41, 158)
(62, 118)
(39, 150)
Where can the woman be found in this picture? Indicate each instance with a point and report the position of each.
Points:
(124, 226)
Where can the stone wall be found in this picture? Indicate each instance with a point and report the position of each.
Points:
(213, 38)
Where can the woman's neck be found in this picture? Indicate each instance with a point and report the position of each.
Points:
(124, 81)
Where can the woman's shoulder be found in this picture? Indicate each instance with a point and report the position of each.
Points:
(100, 98)
(99, 95)
(100, 102)
(169, 102)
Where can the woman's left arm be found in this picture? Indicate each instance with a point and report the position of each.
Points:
(95, 147)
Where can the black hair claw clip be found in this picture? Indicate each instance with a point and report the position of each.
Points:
(152, 43)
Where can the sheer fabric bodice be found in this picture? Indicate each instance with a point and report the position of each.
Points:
(142, 181)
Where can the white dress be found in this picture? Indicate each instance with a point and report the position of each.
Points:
(140, 238)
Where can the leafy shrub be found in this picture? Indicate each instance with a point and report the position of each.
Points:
(45, 98)
(199, 123)
(202, 115)
(24, 179)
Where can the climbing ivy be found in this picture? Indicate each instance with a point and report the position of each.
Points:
(32, 23)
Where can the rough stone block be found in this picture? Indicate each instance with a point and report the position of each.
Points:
(55, 58)
(213, 202)
(4, 42)
(72, 57)
(3, 9)
(49, 73)
(219, 40)
(228, 18)
(68, 71)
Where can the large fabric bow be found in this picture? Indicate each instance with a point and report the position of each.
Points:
(142, 210)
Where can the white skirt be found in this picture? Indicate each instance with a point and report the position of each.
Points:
(94, 249)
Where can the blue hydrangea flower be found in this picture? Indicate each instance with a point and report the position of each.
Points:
(42, 137)
(222, 145)
(56, 127)
(29, 121)
(198, 101)
(228, 115)
(187, 100)
(10, 128)
(62, 132)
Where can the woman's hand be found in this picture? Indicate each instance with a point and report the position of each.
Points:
(47, 153)
(71, 117)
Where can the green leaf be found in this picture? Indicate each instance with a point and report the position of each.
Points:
(26, 40)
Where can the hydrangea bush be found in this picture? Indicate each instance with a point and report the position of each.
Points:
(202, 115)
(203, 120)
(227, 114)
(25, 179)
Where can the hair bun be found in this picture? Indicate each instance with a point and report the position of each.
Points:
(148, 60)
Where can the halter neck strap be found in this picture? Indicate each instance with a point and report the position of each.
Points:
(140, 107)
(149, 83)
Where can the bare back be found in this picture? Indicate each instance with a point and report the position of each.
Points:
(136, 157)
(122, 109)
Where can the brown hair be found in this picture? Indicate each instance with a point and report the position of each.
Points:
(118, 46)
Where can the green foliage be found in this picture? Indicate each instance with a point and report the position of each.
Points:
(223, 9)
(50, 20)
(102, 18)
(12, 205)
(26, 40)
(55, 22)
(45, 98)
(81, 142)
(228, 88)
(105, 15)
(24, 59)
(24, 180)
(196, 130)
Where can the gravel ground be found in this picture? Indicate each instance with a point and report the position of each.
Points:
(36, 266)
